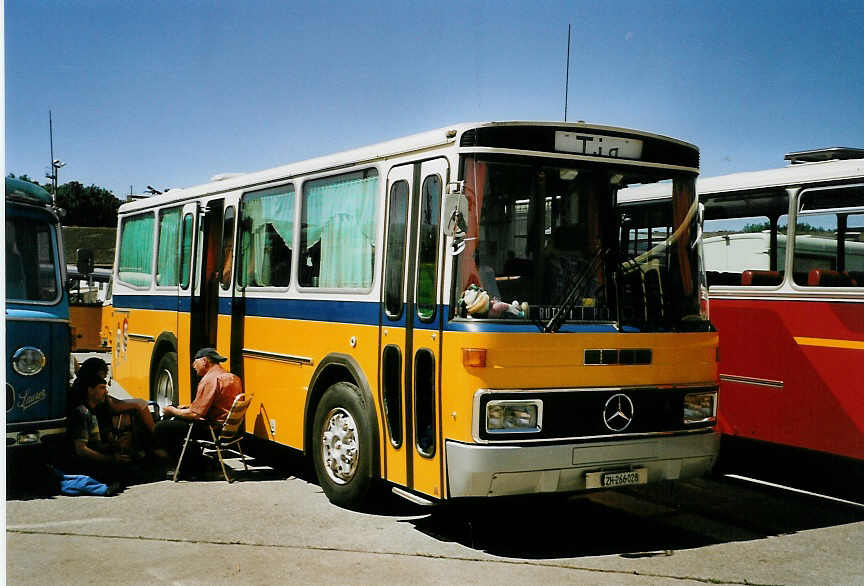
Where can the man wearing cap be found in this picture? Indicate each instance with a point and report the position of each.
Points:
(213, 399)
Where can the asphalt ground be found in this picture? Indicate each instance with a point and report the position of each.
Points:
(274, 525)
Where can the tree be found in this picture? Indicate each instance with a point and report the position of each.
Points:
(85, 206)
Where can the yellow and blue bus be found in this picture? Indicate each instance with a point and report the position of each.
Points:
(37, 318)
(453, 313)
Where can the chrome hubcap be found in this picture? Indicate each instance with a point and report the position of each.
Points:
(164, 389)
(339, 446)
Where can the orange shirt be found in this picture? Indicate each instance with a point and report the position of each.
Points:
(216, 393)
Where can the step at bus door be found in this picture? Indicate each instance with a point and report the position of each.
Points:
(411, 328)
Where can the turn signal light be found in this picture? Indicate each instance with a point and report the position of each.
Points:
(474, 357)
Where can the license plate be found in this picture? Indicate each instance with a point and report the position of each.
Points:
(614, 479)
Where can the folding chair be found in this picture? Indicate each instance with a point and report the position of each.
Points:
(223, 435)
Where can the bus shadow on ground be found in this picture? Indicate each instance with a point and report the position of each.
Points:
(649, 521)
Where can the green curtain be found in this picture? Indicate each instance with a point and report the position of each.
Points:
(340, 213)
(267, 237)
(136, 250)
(167, 268)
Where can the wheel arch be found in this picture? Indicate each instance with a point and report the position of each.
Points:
(165, 342)
(332, 369)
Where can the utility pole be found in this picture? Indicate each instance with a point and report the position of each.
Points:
(56, 164)
(567, 75)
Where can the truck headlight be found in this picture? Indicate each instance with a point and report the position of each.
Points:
(700, 407)
(514, 416)
(28, 361)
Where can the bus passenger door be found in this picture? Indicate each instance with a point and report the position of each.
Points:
(394, 347)
(425, 324)
(204, 303)
(187, 271)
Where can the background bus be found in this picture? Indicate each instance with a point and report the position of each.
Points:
(37, 318)
(791, 317)
(89, 306)
(451, 312)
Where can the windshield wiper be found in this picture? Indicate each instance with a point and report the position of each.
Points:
(561, 311)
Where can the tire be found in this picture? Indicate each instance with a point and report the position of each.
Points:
(164, 389)
(343, 447)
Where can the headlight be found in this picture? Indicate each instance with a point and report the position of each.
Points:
(700, 407)
(28, 361)
(514, 416)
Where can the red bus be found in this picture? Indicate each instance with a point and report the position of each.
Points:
(784, 260)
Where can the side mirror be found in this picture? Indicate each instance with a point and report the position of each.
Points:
(84, 260)
(455, 208)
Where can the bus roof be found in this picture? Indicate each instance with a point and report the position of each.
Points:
(448, 135)
(19, 189)
(755, 181)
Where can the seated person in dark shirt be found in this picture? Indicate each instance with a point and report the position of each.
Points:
(109, 411)
(93, 451)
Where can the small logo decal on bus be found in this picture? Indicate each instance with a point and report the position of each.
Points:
(618, 412)
(29, 398)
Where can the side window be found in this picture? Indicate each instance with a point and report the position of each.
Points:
(424, 401)
(227, 247)
(166, 255)
(337, 238)
(186, 250)
(745, 251)
(135, 259)
(394, 277)
(427, 249)
(266, 237)
(829, 245)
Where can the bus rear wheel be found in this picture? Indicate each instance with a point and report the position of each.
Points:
(164, 388)
(342, 448)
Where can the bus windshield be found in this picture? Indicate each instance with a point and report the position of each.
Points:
(545, 237)
(31, 263)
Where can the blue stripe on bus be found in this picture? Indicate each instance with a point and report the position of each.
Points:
(353, 312)
(158, 302)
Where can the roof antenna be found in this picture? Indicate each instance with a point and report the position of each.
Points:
(567, 75)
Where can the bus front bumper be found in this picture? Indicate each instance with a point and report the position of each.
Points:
(475, 470)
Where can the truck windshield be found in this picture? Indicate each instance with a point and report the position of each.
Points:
(544, 239)
(31, 261)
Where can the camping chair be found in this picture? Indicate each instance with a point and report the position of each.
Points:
(223, 435)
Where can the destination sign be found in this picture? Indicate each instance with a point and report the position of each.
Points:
(596, 145)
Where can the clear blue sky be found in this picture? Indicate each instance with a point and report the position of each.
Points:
(171, 93)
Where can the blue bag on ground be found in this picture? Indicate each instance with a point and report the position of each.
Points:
(78, 484)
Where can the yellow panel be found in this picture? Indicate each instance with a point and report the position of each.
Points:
(394, 466)
(531, 361)
(184, 358)
(279, 388)
(132, 357)
(107, 325)
(223, 339)
(427, 471)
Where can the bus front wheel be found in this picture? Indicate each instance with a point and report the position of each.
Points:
(164, 387)
(343, 445)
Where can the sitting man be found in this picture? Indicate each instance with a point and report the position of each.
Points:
(93, 451)
(213, 399)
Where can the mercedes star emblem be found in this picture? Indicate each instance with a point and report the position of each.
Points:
(618, 412)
